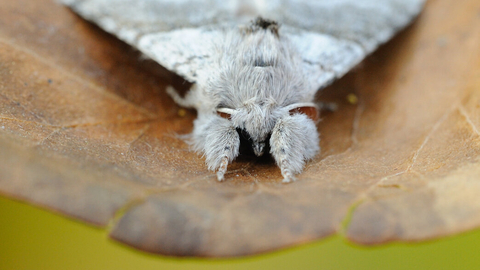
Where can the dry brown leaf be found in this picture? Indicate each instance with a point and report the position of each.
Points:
(86, 129)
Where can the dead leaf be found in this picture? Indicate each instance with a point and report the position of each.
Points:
(86, 129)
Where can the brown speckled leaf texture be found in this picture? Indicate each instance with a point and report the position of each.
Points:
(86, 129)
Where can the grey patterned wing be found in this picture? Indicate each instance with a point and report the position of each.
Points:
(334, 36)
(331, 36)
(178, 34)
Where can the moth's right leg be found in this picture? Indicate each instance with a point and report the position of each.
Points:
(189, 101)
(218, 140)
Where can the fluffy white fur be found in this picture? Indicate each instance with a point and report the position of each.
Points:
(257, 77)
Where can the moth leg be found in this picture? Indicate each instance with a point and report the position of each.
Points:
(294, 140)
(189, 101)
(328, 106)
(218, 140)
(287, 174)
(223, 169)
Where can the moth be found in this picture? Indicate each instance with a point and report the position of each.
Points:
(256, 65)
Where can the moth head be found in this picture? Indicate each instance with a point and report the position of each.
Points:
(255, 123)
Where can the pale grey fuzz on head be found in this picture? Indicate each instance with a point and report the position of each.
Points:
(254, 78)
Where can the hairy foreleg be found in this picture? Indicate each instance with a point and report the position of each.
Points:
(294, 140)
(218, 140)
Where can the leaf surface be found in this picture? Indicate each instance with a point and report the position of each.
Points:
(86, 129)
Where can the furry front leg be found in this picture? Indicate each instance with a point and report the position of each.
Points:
(218, 140)
(294, 140)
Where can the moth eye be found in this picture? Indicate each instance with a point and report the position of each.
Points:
(224, 115)
(310, 112)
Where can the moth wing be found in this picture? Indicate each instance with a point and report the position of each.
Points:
(334, 36)
(331, 36)
(181, 35)
(185, 51)
(323, 57)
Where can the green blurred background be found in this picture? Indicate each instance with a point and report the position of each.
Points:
(32, 238)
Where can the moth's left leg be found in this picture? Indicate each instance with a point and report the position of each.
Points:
(218, 140)
(294, 140)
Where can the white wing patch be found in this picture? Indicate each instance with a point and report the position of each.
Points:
(336, 35)
(176, 34)
(324, 57)
(185, 51)
(366, 22)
